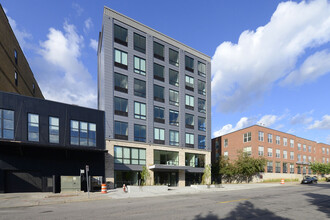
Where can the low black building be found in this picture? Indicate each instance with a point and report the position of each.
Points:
(42, 140)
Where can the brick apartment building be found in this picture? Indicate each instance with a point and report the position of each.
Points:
(287, 154)
(15, 73)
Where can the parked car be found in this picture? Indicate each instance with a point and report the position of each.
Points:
(309, 180)
(327, 179)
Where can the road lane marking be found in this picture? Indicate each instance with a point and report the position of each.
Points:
(237, 200)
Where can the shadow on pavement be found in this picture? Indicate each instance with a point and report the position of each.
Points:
(321, 201)
(209, 216)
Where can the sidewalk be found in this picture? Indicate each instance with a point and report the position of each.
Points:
(13, 200)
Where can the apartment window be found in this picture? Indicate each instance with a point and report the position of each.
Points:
(140, 133)
(304, 148)
(189, 140)
(216, 144)
(247, 137)
(323, 150)
(201, 105)
(158, 72)
(247, 150)
(16, 57)
(174, 138)
(159, 136)
(159, 93)
(120, 59)
(190, 102)
(291, 168)
(277, 167)
(121, 130)
(309, 149)
(139, 65)
(261, 151)
(174, 97)
(173, 57)
(189, 83)
(121, 83)
(201, 142)
(285, 154)
(120, 35)
(121, 106)
(201, 124)
(299, 146)
(304, 170)
(285, 167)
(174, 77)
(54, 127)
(299, 170)
(139, 43)
(16, 79)
(6, 124)
(189, 121)
(127, 155)
(304, 158)
(261, 136)
(269, 167)
(166, 157)
(140, 110)
(159, 51)
(225, 154)
(285, 142)
(201, 69)
(201, 87)
(159, 114)
(299, 157)
(225, 143)
(189, 62)
(139, 88)
(323, 160)
(291, 143)
(270, 138)
(174, 117)
(278, 140)
(83, 133)
(309, 159)
(270, 152)
(328, 151)
(278, 153)
(291, 155)
(33, 127)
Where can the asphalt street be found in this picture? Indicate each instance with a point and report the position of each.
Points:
(280, 202)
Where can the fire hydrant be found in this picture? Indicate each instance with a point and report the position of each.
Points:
(124, 188)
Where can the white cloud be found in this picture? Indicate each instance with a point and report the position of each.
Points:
(88, 25)
(242, 123)
(313, 67)
(79, 10)
(323, 124)
(303, 118)
(63, 77)
(268, 120)
(22, 36)
(93, 44)
(243, 72)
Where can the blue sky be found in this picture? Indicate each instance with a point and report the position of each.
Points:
(270, 59)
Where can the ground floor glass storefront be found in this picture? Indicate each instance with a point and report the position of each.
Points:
(166, 178)
(193, 178)
(127, 178)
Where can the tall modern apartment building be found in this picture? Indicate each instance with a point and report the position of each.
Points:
(156, 95)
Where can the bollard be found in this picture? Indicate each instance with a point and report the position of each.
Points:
(104, 188)
(282, 181)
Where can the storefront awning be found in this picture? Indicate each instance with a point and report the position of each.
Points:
(164, 167)
(128, 167)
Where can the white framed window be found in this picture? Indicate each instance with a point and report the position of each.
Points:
(120, 59)
(139, 65)
(278, 153)
(225, 143)
(140, 110)
(291, 155)
(304, 148)
(270, 138)
(261, 151)
(190, 139)
(285, 154)
(248, 150)
(190, 100)
(159, 134)
(174, 138)
(247, 137)
(225, 153)
(291, 143)
(261, 136)
(285, 142)
(299, 146)
(278, 140)
(270, 152)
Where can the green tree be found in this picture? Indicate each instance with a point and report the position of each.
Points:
(145, 175)
(207, 175)
(320, 168)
